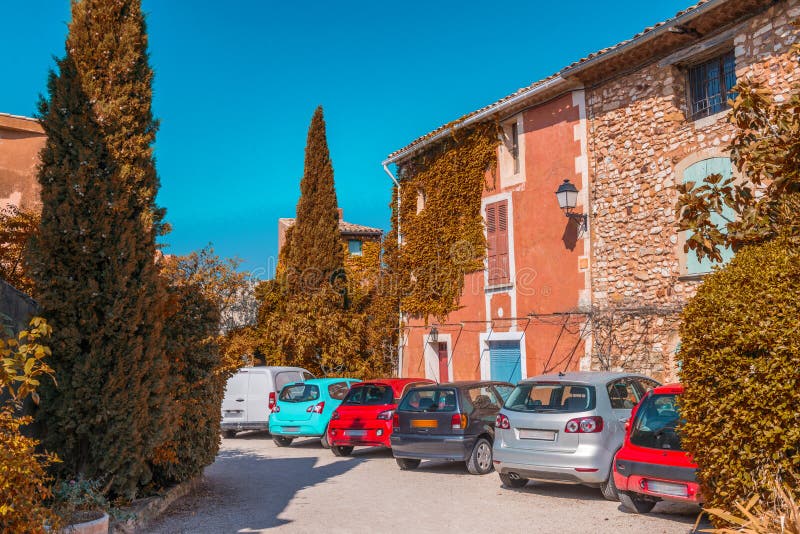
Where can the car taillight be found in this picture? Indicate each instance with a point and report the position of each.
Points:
(272, 401)
(317, 408)
(584, 425)
(335, 415)
(387, 415)
(501, 421)
(458, 421)
(396, 420)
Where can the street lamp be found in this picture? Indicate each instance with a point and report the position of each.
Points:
(434, 335)
(567, 196)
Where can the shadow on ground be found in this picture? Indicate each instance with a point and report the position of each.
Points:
(228, 497)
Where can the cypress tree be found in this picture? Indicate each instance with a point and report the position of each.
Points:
(94, 261)
(314, 251)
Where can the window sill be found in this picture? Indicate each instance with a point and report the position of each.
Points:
(705, 122)
(692, 277)
(498, 287)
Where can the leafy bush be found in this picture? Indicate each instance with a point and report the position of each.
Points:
(740, 350)
(24, 483)
(78, 497)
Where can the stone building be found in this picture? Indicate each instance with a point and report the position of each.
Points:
(640, 118)
(657, 117)
(21, 139)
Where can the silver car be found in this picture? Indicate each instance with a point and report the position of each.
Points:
(566, 428)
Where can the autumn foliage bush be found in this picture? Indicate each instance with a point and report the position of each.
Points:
(24, 482)
(740, 353)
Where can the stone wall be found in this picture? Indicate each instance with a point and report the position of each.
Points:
(640, 140)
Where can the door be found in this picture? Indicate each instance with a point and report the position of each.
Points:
(444, 369)
(505, 361)
(258, 390)
(233, 403)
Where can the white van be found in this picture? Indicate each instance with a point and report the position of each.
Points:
(250, 395)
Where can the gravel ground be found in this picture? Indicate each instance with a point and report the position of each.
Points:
(255, 486)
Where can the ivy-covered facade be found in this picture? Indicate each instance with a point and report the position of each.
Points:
(625, 126)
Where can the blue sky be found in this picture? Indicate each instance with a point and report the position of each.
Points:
(237, 82)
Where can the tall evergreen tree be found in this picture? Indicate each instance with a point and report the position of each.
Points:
(315, 252)
(94, 261)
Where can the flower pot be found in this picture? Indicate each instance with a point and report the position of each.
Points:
(96, 525)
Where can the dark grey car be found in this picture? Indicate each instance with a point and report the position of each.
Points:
(453, 421)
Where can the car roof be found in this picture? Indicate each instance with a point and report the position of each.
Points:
(397, 384)
(326, 381)
(674, 387)
(461, 384)
(583, 377)
(269, 368)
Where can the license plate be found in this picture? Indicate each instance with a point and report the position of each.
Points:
(424, 423)
(542, 435)
(291, 429)
(355, 433)
(667, 488)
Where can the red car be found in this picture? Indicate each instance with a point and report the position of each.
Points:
(364, 418)
(651, 465)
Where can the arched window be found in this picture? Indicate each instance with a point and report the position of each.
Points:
(696, 173)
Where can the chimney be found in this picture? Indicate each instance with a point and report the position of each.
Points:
(341, 213)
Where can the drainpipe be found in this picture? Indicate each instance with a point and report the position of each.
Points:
(399, 308)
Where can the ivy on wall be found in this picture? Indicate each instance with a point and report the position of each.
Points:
(441, 221)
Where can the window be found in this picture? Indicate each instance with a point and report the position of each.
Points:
(299, 393)
(429, 400)
(514, 149)
(420, 200)
(655, 426)
(503, 391)
(551, 397)
(697, 173)
(287, 377)
(370, 395)
(354, 246)
(482, 398)
(710, 83)
(338, 390)
(622, 394)
(497, 242)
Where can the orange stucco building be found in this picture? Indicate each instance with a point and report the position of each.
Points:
(21, 140)
(523, 314)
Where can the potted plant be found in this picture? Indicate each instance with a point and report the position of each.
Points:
(81, 506)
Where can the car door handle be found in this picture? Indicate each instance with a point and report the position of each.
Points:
(239, 400)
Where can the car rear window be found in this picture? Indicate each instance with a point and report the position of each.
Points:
(655, 425)
(338, 390)
(551, 397)
(299, 393)
(369, 395)
(429, 400)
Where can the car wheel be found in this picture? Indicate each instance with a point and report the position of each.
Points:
(407, 464)
(282, 441)
(323, 440)
(230, 434)
(636, 504)
(509, 482)
(609, 487)
(342, 450)
(480, 460)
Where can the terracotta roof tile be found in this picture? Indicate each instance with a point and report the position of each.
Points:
(344, 227)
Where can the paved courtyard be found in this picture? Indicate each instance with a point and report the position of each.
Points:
(255, 486)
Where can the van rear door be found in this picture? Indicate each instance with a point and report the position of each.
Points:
(234, 403)
(258, 389)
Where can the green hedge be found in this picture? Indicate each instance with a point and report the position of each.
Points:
(740, 352)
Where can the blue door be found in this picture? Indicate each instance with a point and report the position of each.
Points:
(505, 358)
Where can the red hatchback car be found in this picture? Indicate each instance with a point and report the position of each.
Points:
(651, 465)
(364, 418)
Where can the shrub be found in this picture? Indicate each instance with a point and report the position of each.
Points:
(740, 350)
(23, 477)
(781, 514)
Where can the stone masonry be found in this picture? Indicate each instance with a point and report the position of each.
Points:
(640, 140)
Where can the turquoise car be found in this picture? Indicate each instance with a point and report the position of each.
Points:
(304, 409)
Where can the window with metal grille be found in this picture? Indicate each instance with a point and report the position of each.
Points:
(515, 146)
(497, 242)
(710, 84)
